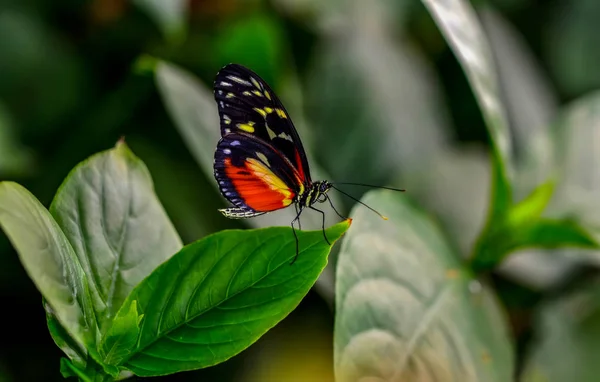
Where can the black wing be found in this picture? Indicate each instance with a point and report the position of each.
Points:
(248, 105)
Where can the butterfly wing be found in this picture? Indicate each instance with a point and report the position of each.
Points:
(248, 105)
(254, 176)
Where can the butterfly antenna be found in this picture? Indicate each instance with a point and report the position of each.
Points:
(358, 201)
(369, 185)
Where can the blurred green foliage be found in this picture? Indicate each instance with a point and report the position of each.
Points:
(377, 95)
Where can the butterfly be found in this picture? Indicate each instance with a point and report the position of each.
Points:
(260, 164)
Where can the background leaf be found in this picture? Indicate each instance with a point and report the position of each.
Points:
(375, 102)
(406, 311)
(459, 24)
(49, 261)
(575, 197)
(220, 294)
(108, 211)
(568, 340)
(530, 99)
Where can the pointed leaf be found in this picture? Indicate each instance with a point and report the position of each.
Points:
(108, 210)
(218, 295)
(49, 260)
(122, 336)
(538, 233)
(458, 22)
(406, 310)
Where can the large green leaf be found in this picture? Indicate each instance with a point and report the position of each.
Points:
(108, 211)
(567, 342)
(458, 22)
(220, 294)
(50, 261)
(406, 310)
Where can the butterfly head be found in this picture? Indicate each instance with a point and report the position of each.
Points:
(321, 188)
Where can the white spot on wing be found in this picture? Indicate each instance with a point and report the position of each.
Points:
(222, 104)
(227, 151)
(239, 80)
(235, 143)
(223, 83)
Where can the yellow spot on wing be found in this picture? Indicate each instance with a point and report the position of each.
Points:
(229, 95)
(273, 181)
(255, 83)
(257, 93)
(247, 93)
(281, 113)
(261, 112)
(248, 127)
(267, 95)
(268, 110)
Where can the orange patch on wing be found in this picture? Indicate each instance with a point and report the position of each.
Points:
(258, 186)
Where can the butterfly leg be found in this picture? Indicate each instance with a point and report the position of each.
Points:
(323, 225)
(297, 218)
(336, 211)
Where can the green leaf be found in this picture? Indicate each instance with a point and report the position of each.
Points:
(567, 343)
(121, 337)
(407, 310)
(458, 22)
(539, 233)
(531, 207)
(68, 369)
(168, 15)
(49, 260)
(218, 295)
(109, 212)
(256, 41)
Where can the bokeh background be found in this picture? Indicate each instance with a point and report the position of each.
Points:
(373, 88)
